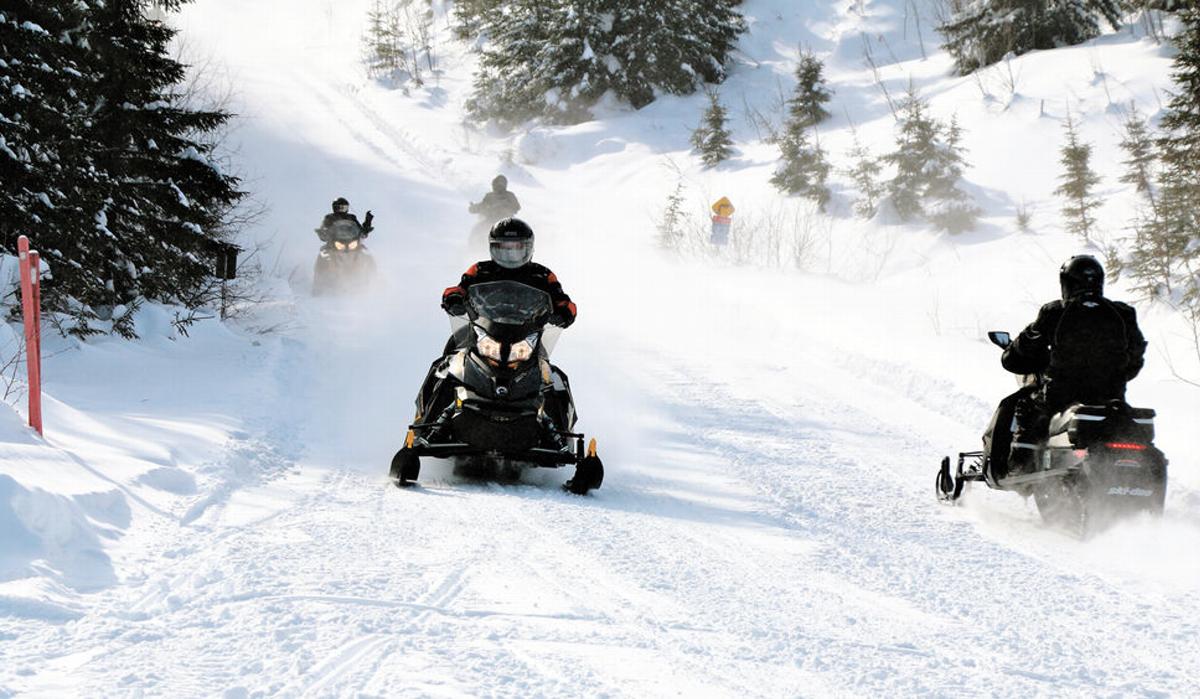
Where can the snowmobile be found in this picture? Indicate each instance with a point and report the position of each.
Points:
(1097, 464)
(494, 403)
(343, 264)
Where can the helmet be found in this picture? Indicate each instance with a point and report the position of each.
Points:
(499, 183)
(341, 205)
(1081, 275)
(511, 243)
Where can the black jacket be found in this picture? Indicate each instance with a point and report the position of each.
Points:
(335, 220)
(1084, 350)
(532, 273)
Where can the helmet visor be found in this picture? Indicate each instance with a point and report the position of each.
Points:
(512, 253)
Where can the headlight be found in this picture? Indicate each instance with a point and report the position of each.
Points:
(523, 350)
(353, 245)
(339, 245)
(487, 346)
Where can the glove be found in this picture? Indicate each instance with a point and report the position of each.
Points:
(562, 319)
(454, 305)
(367, 227)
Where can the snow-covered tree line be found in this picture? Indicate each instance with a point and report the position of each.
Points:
(981, 32)
(555, 58)
(1162, 256)
(400, 38)
(928, 159)
(102, 162)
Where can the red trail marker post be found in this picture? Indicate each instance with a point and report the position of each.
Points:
(31, 313)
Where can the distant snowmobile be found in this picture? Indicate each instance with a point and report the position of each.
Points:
(1098, 464)
(495, 404)
(343, 264)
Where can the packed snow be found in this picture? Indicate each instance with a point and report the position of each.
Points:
(209, 514)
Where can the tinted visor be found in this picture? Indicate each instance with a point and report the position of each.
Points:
(512, 253)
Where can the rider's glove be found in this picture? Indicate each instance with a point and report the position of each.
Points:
(454, 305)
(562, 319)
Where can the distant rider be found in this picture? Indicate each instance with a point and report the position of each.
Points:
(1083, 348)
(342, 218)
(511, 245)
(498, 203)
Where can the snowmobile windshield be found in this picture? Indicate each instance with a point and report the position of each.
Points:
(345, 231)
(510, 303)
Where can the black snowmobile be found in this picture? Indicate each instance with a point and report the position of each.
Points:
(1098, 464)
(343, 264)
(495, 404)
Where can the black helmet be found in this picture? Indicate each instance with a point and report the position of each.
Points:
(341, 205)
(1081, 275)
(499, 183)
(511, 243)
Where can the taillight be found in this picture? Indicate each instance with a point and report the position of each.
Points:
(1126, 446)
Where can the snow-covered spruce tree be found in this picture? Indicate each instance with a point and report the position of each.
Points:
(554, 58)
(1078, 184)
(807, 104)
(670, 226)
(803, 168)
(916, 147)
(1141, 156)
(865, 172)
(929, 164)
(383, 53)
(47, 181)
(946, 205)
(712, 138)
(981, 32)
(144, 202)
(469, 16)
(1165, 260)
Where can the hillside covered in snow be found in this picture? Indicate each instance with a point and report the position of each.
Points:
(209, 512)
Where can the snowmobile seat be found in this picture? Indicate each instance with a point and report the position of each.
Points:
(1083, 425)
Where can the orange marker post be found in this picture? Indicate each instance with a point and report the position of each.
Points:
(31, 313)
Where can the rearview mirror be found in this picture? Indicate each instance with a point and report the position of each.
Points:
(1000, 338)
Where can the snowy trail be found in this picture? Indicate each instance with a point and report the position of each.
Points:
(737, 549)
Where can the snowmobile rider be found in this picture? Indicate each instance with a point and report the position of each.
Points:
(1083, 348)
(341, 216)
(497, 204)
(511, 244)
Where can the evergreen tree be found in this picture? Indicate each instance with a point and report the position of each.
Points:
(112, 175)
(982, 32)
(803, 168)
(916, 149)
(1165, 260)
(45, 167)
(670, 227)
(946, 205)
(865, 173)
(806, 105)
(929, 167)
(384, 53)
(1078, 184)
(712, 138)
(1141, 157)
(555, 58)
